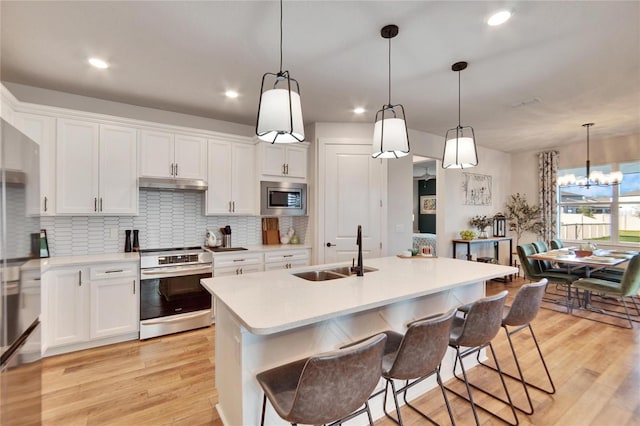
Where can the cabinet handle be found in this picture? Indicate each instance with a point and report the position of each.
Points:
(287, 169)
(171, 169)
(239, 260)
(113, 271)
(95, 204)
(229, 206)
(176, 169)
(283, 172)
(134, 286)
(100, 203)
(79, 278)
(287, 255)
(45, 203)
(241, 271)
(233, 209)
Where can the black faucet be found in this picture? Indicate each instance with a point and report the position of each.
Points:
(359, 269)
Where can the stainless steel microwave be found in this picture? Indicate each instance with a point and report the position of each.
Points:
(283, 199)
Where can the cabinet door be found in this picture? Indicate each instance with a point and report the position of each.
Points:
(273, 162)
(296, 162)
(42, 130)
(156, 154)
(118, 170)
(190, 157)
(219, 178)
(77, 167)
(244, 184)
(113, 307)
(67, 308)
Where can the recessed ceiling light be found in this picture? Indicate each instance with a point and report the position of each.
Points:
(231, 94)
(499, 18)
(358, 110)
(98, 63)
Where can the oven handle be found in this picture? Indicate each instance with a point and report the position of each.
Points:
(180, 318)
(177, 272)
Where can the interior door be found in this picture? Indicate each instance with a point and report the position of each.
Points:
(352, 197)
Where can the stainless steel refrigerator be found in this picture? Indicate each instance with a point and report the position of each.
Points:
(20, 364)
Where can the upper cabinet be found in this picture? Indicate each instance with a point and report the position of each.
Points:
(42, 129)
(231, 178)
(96, 171)
(288, 161)
(168, 155)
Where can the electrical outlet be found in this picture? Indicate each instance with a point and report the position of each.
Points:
(114, 233)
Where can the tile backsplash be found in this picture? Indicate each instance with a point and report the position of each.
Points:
(166, 219)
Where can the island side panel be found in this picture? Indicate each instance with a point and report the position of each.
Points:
(247, 354)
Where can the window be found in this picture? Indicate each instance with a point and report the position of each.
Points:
(601, 213)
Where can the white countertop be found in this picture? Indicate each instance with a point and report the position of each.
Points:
(263, 247)
(88, 259)
(274, 301)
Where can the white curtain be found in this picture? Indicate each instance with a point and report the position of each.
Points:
(547, 193)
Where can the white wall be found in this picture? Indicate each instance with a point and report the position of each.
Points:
(524, 165)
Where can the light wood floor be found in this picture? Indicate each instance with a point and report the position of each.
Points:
(170, 380)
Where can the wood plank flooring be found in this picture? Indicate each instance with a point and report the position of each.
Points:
(170, 380)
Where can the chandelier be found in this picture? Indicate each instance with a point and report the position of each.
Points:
(591, 178)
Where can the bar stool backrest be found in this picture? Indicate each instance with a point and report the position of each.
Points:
(335, 384)
(631, 279)
(483, 321)
(531, 267)
(422, 348)
(526, 304)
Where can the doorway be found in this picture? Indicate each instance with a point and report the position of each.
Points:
(424, 201)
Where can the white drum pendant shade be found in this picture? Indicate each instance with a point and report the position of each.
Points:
(459, 153)
(276, 116)
(395, 143)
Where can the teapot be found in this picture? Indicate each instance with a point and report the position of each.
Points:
(212, 240)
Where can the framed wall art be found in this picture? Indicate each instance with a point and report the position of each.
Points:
(477, 189)
(427, 204)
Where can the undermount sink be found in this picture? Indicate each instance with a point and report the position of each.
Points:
(319, 275)
(330, 274)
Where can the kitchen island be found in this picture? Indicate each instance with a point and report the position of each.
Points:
(267, 319)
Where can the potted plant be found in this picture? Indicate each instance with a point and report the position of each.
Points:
(481, 222)
(522, 216)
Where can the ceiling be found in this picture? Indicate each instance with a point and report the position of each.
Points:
(530, 83)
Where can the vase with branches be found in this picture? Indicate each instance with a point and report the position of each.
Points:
(522, 217)
(481, 222)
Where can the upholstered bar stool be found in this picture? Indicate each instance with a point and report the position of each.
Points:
(414, 357)
(518, 317)
(473, 333)
(325, 388)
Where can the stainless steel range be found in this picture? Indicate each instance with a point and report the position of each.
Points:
(171, 297)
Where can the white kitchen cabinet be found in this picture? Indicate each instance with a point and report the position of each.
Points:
(66, 291)
(284, 161)
(237, 263)
(42, 129)
(165, 155)
(286, 259)
(113, 286)
(96, 169)
(232, 184)
(89, 305)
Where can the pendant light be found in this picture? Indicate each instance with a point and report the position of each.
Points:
(460, 142)
(591, 178)
(390, 136)
(280, 110)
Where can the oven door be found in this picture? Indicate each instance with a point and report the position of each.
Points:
(172, 300)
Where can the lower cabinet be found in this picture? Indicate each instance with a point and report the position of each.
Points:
(286, 259)
(90, 306)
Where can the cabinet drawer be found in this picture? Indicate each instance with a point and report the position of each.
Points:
(113, 271)
(286, 256)
(236, 259)
(272, 266)
(239, 269)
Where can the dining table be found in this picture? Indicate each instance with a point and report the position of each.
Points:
(597, 260)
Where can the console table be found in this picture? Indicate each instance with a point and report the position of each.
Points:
(496, 247)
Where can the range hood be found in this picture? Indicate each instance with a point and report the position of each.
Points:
(168, 184)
